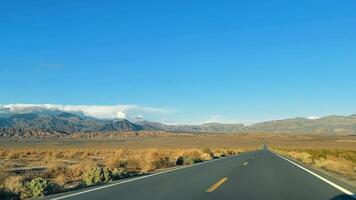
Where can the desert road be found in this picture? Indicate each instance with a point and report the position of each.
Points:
(252, 176)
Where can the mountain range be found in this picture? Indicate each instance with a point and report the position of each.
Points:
(63, 124)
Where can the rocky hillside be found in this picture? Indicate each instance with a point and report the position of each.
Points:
(203, 128)
(59, 124)
(63, 124)
(332, 125)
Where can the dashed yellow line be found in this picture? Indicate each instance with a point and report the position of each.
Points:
(216, 185)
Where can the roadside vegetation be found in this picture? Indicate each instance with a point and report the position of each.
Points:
(28, 174)
(337, 161)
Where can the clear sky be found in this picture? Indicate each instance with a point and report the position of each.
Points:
(201, 61)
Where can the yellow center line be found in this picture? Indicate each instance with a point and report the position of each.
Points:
(216, 185)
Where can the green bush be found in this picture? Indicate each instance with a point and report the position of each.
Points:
(36, 188)
(96, 175)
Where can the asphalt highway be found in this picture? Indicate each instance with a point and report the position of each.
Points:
(252, 176)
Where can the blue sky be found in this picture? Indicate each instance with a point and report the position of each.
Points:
(199, 61)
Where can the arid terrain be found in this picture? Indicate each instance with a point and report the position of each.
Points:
(331, 154)
(65, 164)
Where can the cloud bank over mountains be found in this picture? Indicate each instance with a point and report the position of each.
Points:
(97, 111)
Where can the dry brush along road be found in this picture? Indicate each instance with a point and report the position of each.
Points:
(256, 175)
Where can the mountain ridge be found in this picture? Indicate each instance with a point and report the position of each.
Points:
(64, 124)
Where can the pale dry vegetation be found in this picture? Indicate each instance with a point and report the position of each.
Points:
(31, 168)
(283, 141)
(67, 169)
(55, 166)
(335, 154)
(340, 162)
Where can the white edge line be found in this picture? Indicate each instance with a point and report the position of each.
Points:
(141, 177)
(320, 177)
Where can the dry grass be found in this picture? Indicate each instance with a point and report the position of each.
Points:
(280, 141)
(340, 162)
(119, 163)
(336, 154)
(186, 141)
(66, 162)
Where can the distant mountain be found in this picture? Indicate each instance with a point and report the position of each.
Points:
(203, 128)
(332, 125)
(63, 124)
(122, 125)
(57, 124)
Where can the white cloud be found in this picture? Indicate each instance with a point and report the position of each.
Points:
(98, 111)
(313, 117)
(137, 118)
(120, 114)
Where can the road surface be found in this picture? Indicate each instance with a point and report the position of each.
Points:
(252, 176)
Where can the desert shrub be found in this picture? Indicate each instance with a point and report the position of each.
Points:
(112, 162)
(67, 168)
(208, 151)
(205, 156)
(3, 174)
(75, 172)
(58, 154)
(317, 153)
(61, 179)
(6, 194)
(337, 161)
(61, 174)
(96, 175)
(75, 154)
(55, 169)
(14, 184)
(36, 188)
(3, 153)
(188, 160)
(191, 160)
(119, 173)
(133, 164)
(349, 155)
(13, 155)
(158, 159)
(229, 152)
(161, 162)
(306, 158)
(302, 156)
(336, 164)
(217, 155)
(180, 160)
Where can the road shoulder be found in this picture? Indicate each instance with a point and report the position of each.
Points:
(322, 173)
